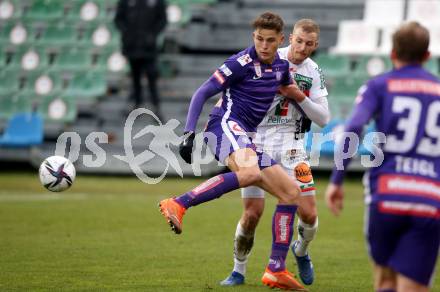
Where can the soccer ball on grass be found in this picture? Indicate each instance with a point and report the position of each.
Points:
(57, 173)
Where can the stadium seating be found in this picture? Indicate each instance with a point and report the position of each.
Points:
(9, 9)
(384, 13)
(30, 59)
(87, 86)
(112, 62)
(9, 83)
(73, 61)
(41, 84)
(55, 37)
(433, 66)
(12, 104)
(57, 108)
(14, 34)
(434, 44)
(22, 130)
(386, 40)
(78, 51)
(333, 66)
(100, 36)
(357, 38)
(45, 10)
(424, 11)
(3, 59)
(178, 13)
(86, 11)
(369, 66)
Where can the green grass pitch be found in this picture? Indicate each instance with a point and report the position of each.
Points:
(106, 234)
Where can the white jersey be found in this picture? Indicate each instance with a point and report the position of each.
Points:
(284, 125)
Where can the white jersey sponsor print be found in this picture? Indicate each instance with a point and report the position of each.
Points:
(284, 125)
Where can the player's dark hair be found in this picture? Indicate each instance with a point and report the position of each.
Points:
(411, 42)
(307, 25)
(269, 20)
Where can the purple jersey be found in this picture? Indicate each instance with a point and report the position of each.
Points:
(248, 87)
(405, 104)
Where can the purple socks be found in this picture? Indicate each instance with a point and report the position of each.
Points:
(209, 190)
(282, 233)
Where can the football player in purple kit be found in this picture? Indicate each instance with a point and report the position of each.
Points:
(249, 82)
(281, 133)
(403, 192)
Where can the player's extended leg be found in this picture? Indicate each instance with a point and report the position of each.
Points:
(307, 228)
(276, 180)
(244, 237)
(384, 279)
(244, 173)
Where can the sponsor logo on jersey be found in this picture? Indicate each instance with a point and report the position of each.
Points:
(407, 185)
(245, 59)
(225, 70)
(258, 73)
(414, 86)
(303, 173)
(218, 76)
(304, 83)
(406, 208)
(279, 120)
(282, 109)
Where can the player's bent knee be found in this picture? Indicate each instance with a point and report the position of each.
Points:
(309, 217)
(253, 215)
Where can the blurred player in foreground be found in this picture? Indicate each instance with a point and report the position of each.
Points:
(403, 193)
(281, 134)
(249, 82)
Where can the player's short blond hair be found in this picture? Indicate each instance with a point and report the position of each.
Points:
(307, 25)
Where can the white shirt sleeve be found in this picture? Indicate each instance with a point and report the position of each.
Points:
(316, 106)
(316, 110)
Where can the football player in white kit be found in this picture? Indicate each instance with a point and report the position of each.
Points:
(281, 134)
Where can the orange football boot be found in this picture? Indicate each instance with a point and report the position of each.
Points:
(173, 212)
(282, 280)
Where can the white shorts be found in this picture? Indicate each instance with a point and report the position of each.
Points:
(297, 166)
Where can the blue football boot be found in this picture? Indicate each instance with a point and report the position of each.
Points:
(305, 266)
(234, 279)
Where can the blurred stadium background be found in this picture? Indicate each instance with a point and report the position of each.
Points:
(61, 71)
(61, 60)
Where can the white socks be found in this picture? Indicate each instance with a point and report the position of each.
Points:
(306, 233)
(243, 243)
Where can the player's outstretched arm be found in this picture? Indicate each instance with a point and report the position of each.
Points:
(207, 90)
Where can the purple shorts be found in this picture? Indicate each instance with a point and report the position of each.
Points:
(407, 244)
(225, 136)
